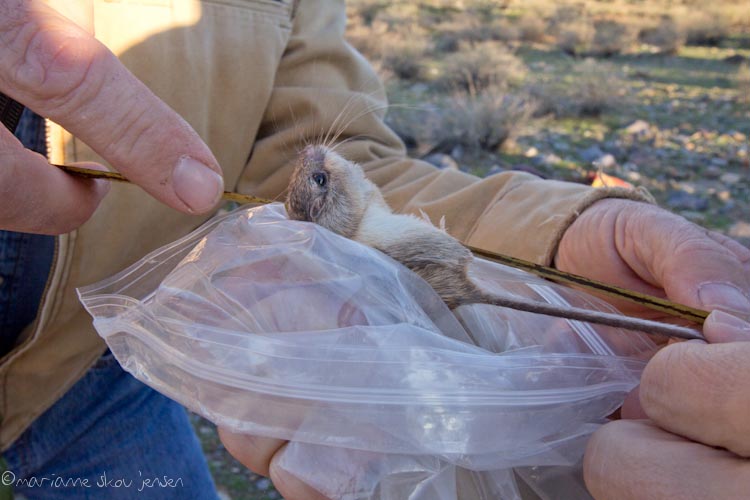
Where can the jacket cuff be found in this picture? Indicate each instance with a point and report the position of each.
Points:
(528, 220)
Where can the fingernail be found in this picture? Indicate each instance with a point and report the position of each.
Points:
(103, 187)
(726, 320)
(724, 296)
(196, 185)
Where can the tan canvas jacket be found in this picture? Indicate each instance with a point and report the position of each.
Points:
(256, 79)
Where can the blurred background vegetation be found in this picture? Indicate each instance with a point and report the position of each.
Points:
(655, 93)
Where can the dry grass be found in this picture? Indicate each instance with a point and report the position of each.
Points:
(592, 89)
(404, 59)
(532, 27)
(485, 65)
(704, 27)
(742, 80)
(482, 122)
(575, 37)
(599, 87)
(611, 38)
(667, 37)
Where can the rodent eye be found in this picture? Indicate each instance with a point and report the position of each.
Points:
(320, 178)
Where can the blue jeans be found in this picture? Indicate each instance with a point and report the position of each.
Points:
(109, 436)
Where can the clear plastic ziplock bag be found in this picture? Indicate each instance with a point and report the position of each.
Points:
(283, 329)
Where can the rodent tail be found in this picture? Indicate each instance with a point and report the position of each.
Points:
(597, 317)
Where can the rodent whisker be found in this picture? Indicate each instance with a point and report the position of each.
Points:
(337, 128)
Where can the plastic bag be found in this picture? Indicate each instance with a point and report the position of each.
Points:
(283, 329)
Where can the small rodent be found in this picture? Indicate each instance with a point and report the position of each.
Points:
(333, 192)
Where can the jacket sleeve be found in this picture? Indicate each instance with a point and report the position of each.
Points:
(325, 91)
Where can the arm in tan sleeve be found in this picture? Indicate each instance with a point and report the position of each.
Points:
(325, 91)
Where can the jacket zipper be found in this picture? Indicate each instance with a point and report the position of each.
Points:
(17, 350)
(56, 252)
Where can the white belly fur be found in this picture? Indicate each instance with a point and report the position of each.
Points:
(382, 228)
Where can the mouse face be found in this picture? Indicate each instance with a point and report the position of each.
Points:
(328, 190)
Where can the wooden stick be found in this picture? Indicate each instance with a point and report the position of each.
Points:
(89, 173)
(655, 303)
(649, 301)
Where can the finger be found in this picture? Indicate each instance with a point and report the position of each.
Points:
(739, 250)
(701, 392)
(631, 407)
(631, 459)
(721, 327)
(39, 198)
(58, 70)
(692, 268)
(254, 452)
(290, 486)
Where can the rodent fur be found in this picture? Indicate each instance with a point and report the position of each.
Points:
(333, 192)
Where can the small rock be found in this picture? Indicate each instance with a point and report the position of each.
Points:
(441, 161)
(263, 484)
(496, 169)
(692, 216)
(457, 152)
(605, 162)
(712, 172)
(730, 178)
(561, 146)
(677, 173)
(633, 176)
(528, 169)
(638, 127)
(724, 195)
(630, 166)
(591, 154)
(531, 152)
(740, 229)
(735, 59)
(719, 162)
(550, 159)
(680, 200)
(727, 207)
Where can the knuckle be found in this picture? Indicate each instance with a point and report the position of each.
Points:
(657, 380)
(733, 406)
(701, 391)
(602, 452)
(55, 66)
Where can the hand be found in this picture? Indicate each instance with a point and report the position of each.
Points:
(260, 455)
(647, 249)
(697, 441)
(695, 395)
(60, 71)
